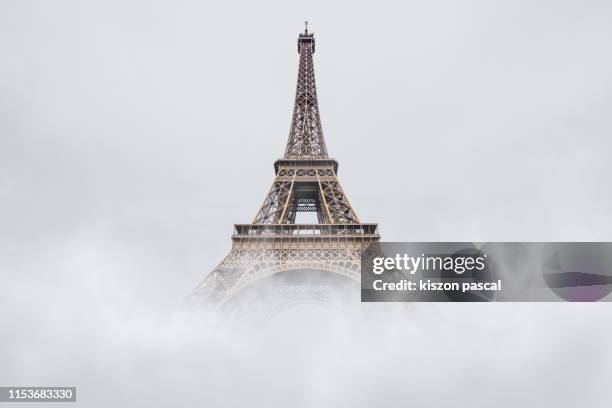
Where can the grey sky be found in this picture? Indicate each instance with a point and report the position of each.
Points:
(134, 134)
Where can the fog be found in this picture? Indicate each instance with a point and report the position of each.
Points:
(134, 134)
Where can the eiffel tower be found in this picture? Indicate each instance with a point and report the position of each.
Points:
(273, 244)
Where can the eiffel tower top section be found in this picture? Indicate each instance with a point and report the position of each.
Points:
(305, 181)
(306, 135)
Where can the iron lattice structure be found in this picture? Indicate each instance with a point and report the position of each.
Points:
(305, 181)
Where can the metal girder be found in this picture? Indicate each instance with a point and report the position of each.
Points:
(242, 267)
(281, 203)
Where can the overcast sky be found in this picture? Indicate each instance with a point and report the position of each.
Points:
(133, 134)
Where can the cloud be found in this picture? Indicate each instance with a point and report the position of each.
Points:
(83, 318)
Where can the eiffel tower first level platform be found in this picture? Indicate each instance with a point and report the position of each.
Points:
(305, 181)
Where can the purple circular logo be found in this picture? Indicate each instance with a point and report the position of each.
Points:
(578, 272)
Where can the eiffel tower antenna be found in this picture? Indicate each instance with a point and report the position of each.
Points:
(306, 27)
(305, 181)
